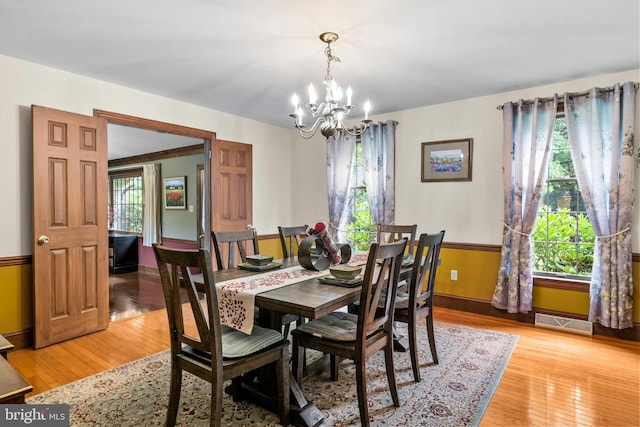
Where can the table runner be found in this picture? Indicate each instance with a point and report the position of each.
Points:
(236, 297)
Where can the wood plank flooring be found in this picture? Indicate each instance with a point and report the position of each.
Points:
(553, 378)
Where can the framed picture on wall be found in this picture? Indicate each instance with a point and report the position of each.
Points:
(449, 160)
(175, 192)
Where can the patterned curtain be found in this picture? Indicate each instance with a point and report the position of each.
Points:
(151, 223)
(340, 153)
(528, 129)
(600, 124)
(378, 152)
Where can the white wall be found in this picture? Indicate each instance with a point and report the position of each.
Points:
(289, 173)
(23, 84)
(470, 212)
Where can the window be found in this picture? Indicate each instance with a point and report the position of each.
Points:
(125, 200)
(361, 231)
(563, 238)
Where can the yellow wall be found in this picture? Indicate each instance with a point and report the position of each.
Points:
(16, 312)
(477, 275)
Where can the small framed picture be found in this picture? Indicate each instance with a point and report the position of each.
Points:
(175, 192)
(449, 160)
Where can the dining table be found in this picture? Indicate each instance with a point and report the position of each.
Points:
(307, 298)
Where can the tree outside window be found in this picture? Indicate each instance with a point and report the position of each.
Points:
(125, 201)
(360, 229)
(563, 238)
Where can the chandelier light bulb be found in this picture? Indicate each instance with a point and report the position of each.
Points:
(367, 108)
(349, 93)
(294, 101)
(313, 96)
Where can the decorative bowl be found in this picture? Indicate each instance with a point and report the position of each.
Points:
(259, 259)
(345, 271)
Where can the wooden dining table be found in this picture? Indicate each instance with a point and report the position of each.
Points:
(308, 298)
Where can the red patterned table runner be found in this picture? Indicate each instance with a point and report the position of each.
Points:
(236, 298)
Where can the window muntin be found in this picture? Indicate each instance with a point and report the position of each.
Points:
(563, 238)
(360, 229)
(125, 201)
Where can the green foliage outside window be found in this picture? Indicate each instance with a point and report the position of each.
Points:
(563, 242)
(563, 237)
(361, 231)
(125, 211)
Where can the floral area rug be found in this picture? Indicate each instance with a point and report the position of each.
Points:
(455, 392)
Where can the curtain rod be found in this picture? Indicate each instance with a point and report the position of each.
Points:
(561, 96)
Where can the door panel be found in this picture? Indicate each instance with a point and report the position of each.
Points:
(70, 261)
(231, 172)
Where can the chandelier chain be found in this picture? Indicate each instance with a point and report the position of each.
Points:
(330, 57)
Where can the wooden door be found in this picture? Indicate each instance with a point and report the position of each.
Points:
(231, 172)
(70, 253)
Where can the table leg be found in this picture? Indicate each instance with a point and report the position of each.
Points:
(303, 412)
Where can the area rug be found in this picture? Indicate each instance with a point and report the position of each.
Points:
(455, 392)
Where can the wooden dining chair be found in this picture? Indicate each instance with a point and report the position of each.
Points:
(210, 350)
(290, 239)
(416, 305)
(225, 244)
(358, 336)
(387, 233)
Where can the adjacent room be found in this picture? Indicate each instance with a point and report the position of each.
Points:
(320, 214)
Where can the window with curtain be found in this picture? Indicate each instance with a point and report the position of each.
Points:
(563, 236)
(600, 130)
(360, 229)
(125, 200)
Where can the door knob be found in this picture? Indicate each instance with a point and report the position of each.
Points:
(42, 240)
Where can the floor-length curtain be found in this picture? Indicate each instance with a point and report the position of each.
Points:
(340, 153)
(528, 129)
(378, 152)
(600, 124)
(151, 223)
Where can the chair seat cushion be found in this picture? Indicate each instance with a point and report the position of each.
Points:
(336, 326)
(238, 344)
(402, 300)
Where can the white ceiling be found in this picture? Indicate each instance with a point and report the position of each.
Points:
(247, 57)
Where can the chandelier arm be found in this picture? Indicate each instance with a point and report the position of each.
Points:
(309, 131)
(356, 130)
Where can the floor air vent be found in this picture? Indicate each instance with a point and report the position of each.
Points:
(564, 324)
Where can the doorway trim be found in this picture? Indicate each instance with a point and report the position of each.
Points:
(154, 125)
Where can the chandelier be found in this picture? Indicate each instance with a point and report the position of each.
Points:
(328, 114)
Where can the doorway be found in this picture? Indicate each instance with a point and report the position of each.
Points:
(132, 293)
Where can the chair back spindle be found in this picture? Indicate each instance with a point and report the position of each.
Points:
(290, 239)
(387, 233)
(225, 244)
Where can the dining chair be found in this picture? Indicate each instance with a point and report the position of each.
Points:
(416, 305)
(209, 350)
(225, 243)
(387, 233)
(358, 336)
(290, 239)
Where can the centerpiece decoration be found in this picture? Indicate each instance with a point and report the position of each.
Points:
(318, 251)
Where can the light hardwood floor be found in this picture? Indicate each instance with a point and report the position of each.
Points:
(553, 378)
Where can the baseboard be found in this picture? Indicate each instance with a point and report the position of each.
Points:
(21, 339)
(485, 308)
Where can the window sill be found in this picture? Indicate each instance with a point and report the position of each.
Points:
(560, 283)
